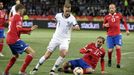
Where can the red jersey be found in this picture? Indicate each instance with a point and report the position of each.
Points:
(114, 23)
(93, 55)
(15, 29)
(2, 18)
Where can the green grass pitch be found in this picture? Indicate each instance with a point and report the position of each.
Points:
(40, 38)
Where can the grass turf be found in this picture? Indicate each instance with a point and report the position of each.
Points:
(40, 38)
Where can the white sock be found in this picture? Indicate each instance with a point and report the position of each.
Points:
(41, 61)
(58, 62)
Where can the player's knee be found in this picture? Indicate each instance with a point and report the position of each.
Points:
(63, 53)
(110, 50)
(88, 71)
(66, 65)
(1, 40)
(16, 56)
(118, 47)
(32, 53)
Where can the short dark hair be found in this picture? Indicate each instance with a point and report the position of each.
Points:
(19, 6)
(100, 37)
(67, 5)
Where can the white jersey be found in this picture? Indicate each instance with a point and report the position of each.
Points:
(13, 11)
(64, 26)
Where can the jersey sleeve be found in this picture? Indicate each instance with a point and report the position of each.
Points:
(74, 21)
(104, 22)
(19, 25)
(102, 61)
(56, 17)
(123, 19)
(85, 49)
(11, 11)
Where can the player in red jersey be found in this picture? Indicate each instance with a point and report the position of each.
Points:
(93, 52)
(2, 26)
(14, 42)
(114, 37)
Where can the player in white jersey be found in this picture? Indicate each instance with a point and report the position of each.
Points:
(61, 38)
(13, 11)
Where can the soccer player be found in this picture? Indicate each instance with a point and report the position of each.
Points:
(2, 24)
(61, 38)
(93, 52)
(13, 11)
(14, 42)
(114, 37)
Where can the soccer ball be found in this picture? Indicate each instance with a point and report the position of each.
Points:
(78, 71)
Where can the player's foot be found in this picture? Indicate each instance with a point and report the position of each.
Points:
(22, 73)
(52, 72)
(33, 71)
(118, 65)
(1, 55)
(109, 63)
(5, 73)
(60, 70)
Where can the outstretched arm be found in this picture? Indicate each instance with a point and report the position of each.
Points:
(102, 64)
(26, 30)
(85, 49)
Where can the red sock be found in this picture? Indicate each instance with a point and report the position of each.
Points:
(118, 55)
(10, 64)
(1, 47)
(27, 61)
(109, 55)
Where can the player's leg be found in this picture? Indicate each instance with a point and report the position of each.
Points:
(110, 45)
(66, 67)
(118, 42)
(63, 52)
(1, 41)
(41, 61)
(59, 61)
(88, 70)
(51, 47)
(1, 46)
(30, 53)
(10, 64)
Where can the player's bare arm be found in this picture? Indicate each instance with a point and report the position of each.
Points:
(34, 27)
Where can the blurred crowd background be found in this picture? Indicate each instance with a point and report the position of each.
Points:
(79, 7)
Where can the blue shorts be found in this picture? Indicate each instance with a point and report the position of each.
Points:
(18, 48)
(2, 33)
(114, 40)
(79, 63)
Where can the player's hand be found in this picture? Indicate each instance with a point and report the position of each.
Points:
(34, 27)
(128, 33)
(106, 25)
(76, 27)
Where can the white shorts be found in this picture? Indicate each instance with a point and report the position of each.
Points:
(63, 44)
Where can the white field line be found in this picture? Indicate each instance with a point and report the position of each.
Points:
(126, 53)
(51, 59)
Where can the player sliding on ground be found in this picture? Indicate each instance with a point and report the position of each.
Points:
(93, 52)
(61, 38)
